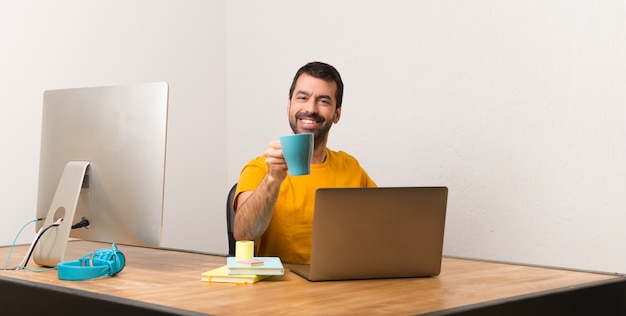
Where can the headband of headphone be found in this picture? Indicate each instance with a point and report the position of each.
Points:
(102, 262)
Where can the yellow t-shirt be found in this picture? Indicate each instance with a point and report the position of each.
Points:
(289, 233)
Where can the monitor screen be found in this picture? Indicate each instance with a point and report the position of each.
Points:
(102, 159)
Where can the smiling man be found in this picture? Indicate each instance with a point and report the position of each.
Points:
(271, 207)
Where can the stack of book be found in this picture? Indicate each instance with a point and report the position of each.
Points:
(244, 271)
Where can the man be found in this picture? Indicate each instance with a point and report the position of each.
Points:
(276, 210)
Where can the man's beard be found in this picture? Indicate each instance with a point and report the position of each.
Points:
(319, 135)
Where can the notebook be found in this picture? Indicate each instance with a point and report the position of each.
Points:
(371, 233)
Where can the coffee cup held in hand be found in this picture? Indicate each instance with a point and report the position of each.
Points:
(298, 151)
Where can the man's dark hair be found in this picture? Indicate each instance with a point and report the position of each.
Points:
(322, 71)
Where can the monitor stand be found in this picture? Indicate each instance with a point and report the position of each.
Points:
(50, 249)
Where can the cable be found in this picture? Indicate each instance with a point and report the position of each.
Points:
(38, 270)
(32, 246)
(15, 240)
(84, 222)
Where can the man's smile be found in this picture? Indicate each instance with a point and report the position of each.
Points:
(309, 120)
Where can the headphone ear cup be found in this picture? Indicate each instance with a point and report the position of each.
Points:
(120, 260)
(114, 257)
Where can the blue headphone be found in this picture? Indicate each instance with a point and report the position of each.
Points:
(102, 262)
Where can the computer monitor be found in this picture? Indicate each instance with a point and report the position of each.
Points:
(102, 159)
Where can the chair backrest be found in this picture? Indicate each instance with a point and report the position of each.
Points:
(230, 220)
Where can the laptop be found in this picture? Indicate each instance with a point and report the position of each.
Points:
(373, 233)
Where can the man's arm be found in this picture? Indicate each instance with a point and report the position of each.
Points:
(254, 208)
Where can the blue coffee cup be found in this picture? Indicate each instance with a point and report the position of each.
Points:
(298, 151)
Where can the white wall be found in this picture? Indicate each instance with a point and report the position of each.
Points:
(517, 106)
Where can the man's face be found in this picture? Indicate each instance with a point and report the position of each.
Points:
(312, 108)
